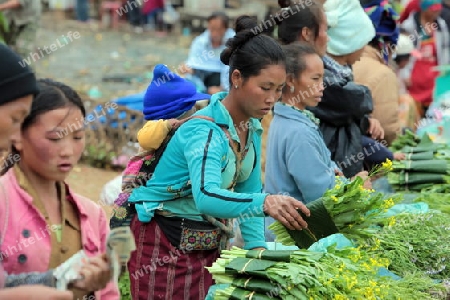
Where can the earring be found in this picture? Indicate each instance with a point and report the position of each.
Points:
(292, 89)
(236, 86)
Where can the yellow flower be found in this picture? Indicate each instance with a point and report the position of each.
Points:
(334, 198)
(388, 203)
(339, 297)
(387, 165)
(391, 221)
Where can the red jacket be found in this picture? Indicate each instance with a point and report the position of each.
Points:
(412, 6)
(151, 5)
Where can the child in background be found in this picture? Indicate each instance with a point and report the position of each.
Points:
(166, 103)
(409, 115)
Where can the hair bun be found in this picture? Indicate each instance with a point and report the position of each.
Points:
(245, 22)
(245, 30)
(284, 3)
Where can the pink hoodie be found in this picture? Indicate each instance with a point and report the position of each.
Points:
(26, 245)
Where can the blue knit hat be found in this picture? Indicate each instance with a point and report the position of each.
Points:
(385, 19)
(169, 96)
(350, 29)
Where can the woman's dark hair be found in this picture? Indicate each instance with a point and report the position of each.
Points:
(402, 57)
(250, 52)
(295, 57)
(221, 16)
(299, 16)
(52, 95)
(245, 22)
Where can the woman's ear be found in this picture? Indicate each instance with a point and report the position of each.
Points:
(290, 81)
(306, 35)
(236, 79)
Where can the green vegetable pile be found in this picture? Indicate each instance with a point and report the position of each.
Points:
(409, 139)
(124, 286)
(426, 168)
(413, 243)
(301, 274)
(348, 208)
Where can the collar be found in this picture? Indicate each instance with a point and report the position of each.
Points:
(337, 69)
(68, 215)
(222, 117)
(373, 53)
(290, 112)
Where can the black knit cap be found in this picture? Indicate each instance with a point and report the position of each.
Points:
(16, 81)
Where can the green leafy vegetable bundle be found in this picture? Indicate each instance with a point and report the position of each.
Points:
(427, 164)
(408, 139)
(348, 208)
(302, 274)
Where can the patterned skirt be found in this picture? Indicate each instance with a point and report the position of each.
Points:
(158, 270)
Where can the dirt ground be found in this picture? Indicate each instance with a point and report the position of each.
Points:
(89, 182)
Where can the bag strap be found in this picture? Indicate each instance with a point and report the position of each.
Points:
(150, 168)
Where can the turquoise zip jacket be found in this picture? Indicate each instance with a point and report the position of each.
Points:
(195, 174)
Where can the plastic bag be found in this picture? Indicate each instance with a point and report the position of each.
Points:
(170, 15)
(412, 208)
(337, 239)
(111, 191)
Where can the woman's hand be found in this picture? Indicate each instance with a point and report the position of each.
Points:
(399, 156)
(35, 292)
(375, 130)
(365, 177)
(284, 209)
(338, 172)
(96, 274)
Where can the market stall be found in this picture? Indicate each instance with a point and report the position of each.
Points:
(359, 244)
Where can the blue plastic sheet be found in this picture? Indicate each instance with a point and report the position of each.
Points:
(337, 239)
(413, 208)
(214, 288)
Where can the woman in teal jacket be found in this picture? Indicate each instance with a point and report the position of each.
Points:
(209, 174)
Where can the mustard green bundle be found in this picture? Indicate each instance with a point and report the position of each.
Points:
(348, 208)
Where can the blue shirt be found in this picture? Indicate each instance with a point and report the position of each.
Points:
(202, 55)
(298, 162)
(194, 175)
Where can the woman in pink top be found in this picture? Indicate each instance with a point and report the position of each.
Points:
(15, 105)
(46, 222)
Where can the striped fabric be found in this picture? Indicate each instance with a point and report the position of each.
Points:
(46, 279)
(158, 270)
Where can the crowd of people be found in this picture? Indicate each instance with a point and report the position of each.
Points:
(290, 109)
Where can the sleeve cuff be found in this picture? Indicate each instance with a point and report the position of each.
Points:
(259, 203)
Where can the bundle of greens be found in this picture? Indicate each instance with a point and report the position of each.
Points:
(407, 139)
(426, 165)
(301, 274)
(413, 242)
(348, 208)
